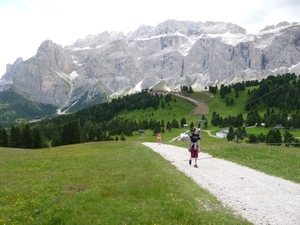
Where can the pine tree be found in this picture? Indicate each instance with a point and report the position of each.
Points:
(37, 138)
(123, 137)
(253, 139)
(3, 138)
(27, 137)
(230, 135)
(75, 134)
(182, 121)
(15, 137)
(239, 133)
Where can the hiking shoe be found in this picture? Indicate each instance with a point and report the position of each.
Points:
(195, 166)
(190, 162)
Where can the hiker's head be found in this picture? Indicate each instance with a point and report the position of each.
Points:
(195, 129)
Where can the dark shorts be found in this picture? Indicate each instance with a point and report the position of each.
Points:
(194, 153)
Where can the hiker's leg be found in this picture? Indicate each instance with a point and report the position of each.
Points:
(196, 156)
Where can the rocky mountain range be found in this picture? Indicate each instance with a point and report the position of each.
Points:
(172, 54)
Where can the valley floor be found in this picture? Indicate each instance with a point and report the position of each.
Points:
(259, 198)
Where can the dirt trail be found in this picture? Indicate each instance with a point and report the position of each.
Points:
(258, 197)
(201, 107)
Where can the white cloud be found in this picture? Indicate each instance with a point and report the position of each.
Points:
(25, 24)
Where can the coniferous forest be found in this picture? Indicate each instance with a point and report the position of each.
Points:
(279, 94)
(96, 123)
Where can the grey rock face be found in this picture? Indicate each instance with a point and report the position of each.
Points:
(43, 77)
(170, 55)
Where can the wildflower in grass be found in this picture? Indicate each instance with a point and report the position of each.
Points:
(81, 188)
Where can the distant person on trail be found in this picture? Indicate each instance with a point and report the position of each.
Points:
(159, 138)
(194, 146)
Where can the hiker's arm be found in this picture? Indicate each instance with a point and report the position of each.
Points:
(189, 144)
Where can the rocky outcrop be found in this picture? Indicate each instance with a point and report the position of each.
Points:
(172, 54)
(44, 77)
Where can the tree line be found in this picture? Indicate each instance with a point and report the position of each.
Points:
(273, 137)
(96, 123)
(280, 96)
(102, 123)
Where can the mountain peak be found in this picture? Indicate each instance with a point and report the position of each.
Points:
(171, 54)
(92, 41)
(279, 26)
(188, 28)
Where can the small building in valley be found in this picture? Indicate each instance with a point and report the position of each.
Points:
(222, 133)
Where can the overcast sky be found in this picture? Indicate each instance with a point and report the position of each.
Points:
(25, 24)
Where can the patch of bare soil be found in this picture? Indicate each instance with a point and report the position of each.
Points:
(201, 107)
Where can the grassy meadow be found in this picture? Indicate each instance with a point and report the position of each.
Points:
(102, 183)
(124, 182)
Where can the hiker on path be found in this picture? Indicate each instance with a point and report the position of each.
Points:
(194, 146)
(159, 138)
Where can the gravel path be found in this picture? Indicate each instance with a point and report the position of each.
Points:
(259, 198)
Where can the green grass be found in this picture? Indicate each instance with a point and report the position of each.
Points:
(277, 161)
(218, 105)
(102, 183)
(175, 110)
(259, 130)
(127, 183)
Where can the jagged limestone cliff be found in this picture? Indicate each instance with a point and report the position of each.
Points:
(170, 55)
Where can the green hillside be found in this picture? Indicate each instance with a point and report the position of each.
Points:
(238, 107)
(15, 108)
